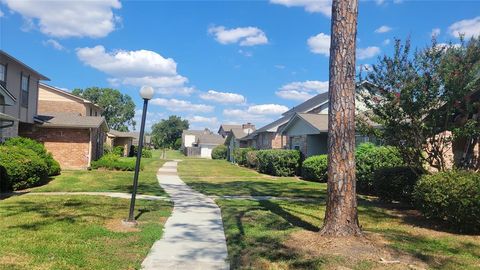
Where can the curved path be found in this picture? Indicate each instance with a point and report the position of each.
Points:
(193, 237)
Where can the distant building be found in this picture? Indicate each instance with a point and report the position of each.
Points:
(236, 138)
(200, 143)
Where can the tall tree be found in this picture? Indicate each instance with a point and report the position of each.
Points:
(119, 108)
(168, 131)
(341, 218)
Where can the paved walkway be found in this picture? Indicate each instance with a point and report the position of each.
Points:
(193, 237)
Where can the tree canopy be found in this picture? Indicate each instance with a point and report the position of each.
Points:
(166, 133)
(419, 95)
(119, 109)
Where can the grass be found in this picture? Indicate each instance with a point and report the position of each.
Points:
(76, 232)
(114, 181)
(259, 233)
(219, 177)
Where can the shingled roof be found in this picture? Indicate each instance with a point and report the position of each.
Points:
(71, 120)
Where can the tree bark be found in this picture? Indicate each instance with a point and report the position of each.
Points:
(341, 218)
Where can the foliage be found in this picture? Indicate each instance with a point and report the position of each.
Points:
(278, 162)
(146, 153)
(315, 168)
(240, 155)
(415, 97)
(39, 149)
(23, 167)
(219, 152)
(119, 109)
(252, 160)
(114, 163)
(178, 144)
(168, 131)
(452, 197)
(370, 158)
(395, 183)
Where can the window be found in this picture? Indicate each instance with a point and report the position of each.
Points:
(3, 73)
(24, 86)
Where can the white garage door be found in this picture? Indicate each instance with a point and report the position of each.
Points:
(206, 152)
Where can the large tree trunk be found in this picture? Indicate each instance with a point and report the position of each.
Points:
(341, 217)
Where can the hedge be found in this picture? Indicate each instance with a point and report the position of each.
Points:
(252, 160)
(451, 197)
(396, 183)
(219, 152)
(22, 167)
(278, 162)
(114, 163)
(240, 155)
(370, 158)
(315, 168)
(39, 149)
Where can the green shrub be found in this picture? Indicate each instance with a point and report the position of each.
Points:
(118, 151)
(219, 152)
(315, 168)
(23, 168)
(146, 153)
(452, 197)
(252, 160)
(115, 163)
(39, 149)
(278, 162)
(240, 155)
(370, 158)
(395, 183)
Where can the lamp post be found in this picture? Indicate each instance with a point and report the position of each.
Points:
(146, 92)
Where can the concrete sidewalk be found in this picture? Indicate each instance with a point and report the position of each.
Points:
(193, 236)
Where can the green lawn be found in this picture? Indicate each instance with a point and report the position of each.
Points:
(76, 232)
(115, 181)
(282, 234)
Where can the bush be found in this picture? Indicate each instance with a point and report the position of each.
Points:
(315, 168)
(39, 149)
(278, 162)
(23, 168)
(219, 152)
(370, 158)
(240, 155)
(146, 153)
(118, 151)
(115, 163)
(395, 183)
(452, 197)
(252, 160)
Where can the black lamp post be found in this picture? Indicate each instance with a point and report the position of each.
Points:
(146, 92)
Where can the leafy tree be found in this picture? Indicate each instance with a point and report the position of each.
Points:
(417, 96)
(119, 108)
(166, 133)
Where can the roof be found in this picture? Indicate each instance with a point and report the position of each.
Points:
(58, 90)
(238, 132)
(308, 104)
(317, 121)
(71, 120)
(9, 98)
(273, 127)
(196, 132)
(213, 139)
(120, 134)
(3, 54)
(227, 128)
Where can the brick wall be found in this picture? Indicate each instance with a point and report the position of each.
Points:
(270, 140)
(46, 106)
(70, 147)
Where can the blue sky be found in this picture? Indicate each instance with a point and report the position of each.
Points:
(217, 61)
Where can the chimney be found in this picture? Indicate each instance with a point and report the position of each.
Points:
(248, 128)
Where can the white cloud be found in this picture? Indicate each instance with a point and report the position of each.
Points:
(176, 105)
(64, 19)
(222, 97)
(245, 53)
(267, 109)
(319, 44)
(279, 66)
(386, 41)
(1, 13)
(137, 68)
(469, 28)
(383, 29)
(203, 119)
(379, 2)
(54, 44)
(313, 6)
(435, 32)
(369, 52)
(245, 36)
(302, 90)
